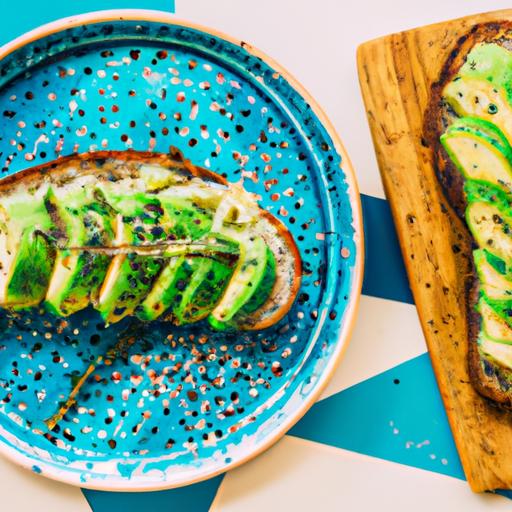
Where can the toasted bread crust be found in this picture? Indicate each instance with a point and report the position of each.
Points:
(276, 306)
(174, 159)
(490, 379)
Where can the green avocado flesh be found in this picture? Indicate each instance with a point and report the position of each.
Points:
(205, 287)
(493, 323)
(158, 246)
(480, 151)
(171, 281)
(26, 255)
(494, 279)
(263, 289)
(478, 142)
(77, 275)
(247, 278)
(207, 278)
(489, 219)
(501, 309)
(499, 352)
(490, 62)
(30, 274)
(142, 221)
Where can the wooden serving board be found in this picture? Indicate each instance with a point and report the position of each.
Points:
(396, 74)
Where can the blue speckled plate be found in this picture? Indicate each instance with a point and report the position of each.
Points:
(179, 404)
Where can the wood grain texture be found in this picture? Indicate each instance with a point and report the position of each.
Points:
(397, 73)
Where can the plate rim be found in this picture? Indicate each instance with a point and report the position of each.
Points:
(350, 313)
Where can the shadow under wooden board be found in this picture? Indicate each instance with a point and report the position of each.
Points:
(397, 73)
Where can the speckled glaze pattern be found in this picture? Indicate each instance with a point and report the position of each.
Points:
(179, 404)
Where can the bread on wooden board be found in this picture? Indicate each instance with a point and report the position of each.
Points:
(469, 126)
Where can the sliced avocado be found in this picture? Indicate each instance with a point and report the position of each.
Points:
(77, 274)
(493, 324)
(490, 228)
(263, 290)
(474, 97)
(170, 283)
(209, 291)
(31, 271)
(129, 278)
(477, 191)
(259, 297)
(495, 284)
(479, 150)
(502, 308)
(184, 221)
(203, 291)
(497, 264)
(182, 215)
(185, 218)
(491, 62)
(485, 191)
(245, 281)
(500, 352)
(26, 253)
(179, 270)
(489, 217)
(199, 268)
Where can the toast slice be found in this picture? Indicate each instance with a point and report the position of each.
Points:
(469, 126)
(119, 223)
